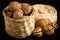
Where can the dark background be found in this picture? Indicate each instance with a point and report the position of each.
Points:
(5, 36)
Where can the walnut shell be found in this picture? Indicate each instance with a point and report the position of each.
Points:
(8, 13)
(41, 23)
(37, 32)
(48, 30)
(27, 8)
(14, 5)
(51, 32)
(18, 14)
(54, 25)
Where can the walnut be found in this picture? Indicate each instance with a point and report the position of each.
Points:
(51, 32)
(27, 8)
(41, 23)
(37, 32)
(14, 5)
(8, 12)
(18, 14)
(48, 30)
(54, 25)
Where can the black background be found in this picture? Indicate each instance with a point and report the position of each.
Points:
(5, 36)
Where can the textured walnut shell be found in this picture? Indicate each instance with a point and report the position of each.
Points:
(37, 32)
(41, 23)
(54, 25)
(18, 14)
(8, 12)
(14, 5)
(27, 8)
(49, 30)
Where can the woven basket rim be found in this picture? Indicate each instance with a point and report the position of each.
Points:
(12, 18)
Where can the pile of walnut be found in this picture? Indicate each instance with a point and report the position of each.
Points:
(20, 10)
(43, 26)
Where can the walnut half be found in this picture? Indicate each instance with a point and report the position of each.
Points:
(41, 23)
(37, 32)
(49, 30)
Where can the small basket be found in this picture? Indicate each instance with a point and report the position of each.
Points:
(52, 17)
(19, 28)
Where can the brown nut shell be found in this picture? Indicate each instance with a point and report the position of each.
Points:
(37, 32)
(51, 32)
(18, 14)
(14, 5)
(27, 8)
(48, 28)
(41, 23)
(54, 25)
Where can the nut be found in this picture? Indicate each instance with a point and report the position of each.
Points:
(48, 30)
(37, 32)
(51, 32)
(54, 25)
(18, 14)
(41, 23)
(14, 5)
(26, 8)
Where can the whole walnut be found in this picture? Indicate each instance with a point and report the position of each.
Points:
(41, 23)
(51, 32)
(8, 13)
(27, 8)
(37, 32)
(14, 5)
(48, 30)
(18, 14)
(54, 25)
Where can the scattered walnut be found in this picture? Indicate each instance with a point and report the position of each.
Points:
(18, 14)
(54, 25)
(37, 32)
(41, 23)
(48, 30)
(14, 5)
(27, 8)
(51, 32)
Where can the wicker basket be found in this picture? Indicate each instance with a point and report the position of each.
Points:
(44, 12)
(19, 28)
